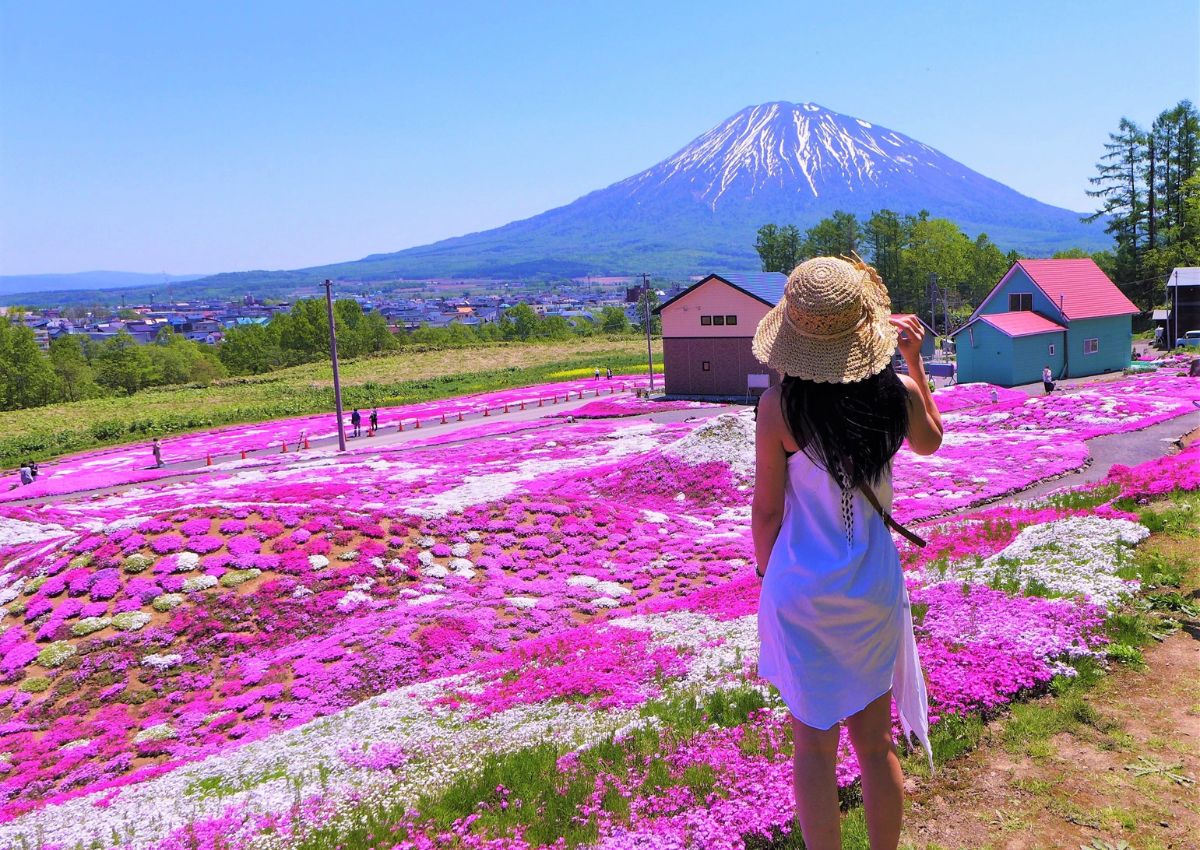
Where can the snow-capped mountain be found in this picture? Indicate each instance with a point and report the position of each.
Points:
(699, 209)
(800, 150)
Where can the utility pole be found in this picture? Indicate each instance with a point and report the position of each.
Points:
(337, 384)
(649, 351)
(933, 294)
(946, 311)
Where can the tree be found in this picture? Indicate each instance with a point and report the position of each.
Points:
(835, 236)
(612, 320)
(121, 365)
(1119, 182)
(778, 247)
(884, 238)
(26, 379)
(71, 368)
(647, 301)
(251, 349)
(519, 322)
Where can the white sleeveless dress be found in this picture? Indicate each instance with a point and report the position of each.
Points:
(834, 619)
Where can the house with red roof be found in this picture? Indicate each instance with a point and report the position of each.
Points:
(1065, 314)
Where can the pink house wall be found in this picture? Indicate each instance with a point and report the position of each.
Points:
(712, 298)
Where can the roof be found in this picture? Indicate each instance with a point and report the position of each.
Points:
(1016, 323)
(1185, 276)
(1079, 286)
(767, 287)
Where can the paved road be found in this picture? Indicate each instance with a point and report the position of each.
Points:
(533, 416)
(1130, 449)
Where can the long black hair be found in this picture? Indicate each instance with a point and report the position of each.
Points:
(850, 430)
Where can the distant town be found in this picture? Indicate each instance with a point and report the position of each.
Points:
(206, 320)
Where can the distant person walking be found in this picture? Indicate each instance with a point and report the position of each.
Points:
(356, 422)
(156, 447)
(374, 419)
(608, 372)
(33, 469)
(597, 373)
(26, 474)
(1047, 381)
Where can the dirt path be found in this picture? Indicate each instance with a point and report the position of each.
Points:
(1080, 787)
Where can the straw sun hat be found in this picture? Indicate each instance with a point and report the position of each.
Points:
(831, 326)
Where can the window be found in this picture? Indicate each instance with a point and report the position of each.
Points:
(731, 320)
(706, 320)
(718, 320)
(705, 366)
(1051, 349)
(1091, 346)
(1020, 301)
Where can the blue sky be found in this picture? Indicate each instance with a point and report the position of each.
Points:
(220, 136)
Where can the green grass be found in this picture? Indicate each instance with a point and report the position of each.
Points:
(401, 378)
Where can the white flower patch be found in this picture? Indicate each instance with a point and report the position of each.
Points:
(16, 532)
(522, 603)
(425, 558)
(720, 648)
(611, 588)
(582, 581)
(460, 550)
(605, 602)
(76, 744)
(162, 662)
(1077, 555)
(435, 571)
(352, 600)
(301, 591)
(425, 598)
(158, 732)
(186, 561)
(198, 583)
(318, 562)
(473, 536)
(426, 542)
(728, 438)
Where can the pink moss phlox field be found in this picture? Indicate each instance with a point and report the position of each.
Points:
(581, 568)
(135, 463)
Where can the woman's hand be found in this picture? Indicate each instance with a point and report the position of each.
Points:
(911, 335)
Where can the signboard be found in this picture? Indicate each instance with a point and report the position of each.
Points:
(758, 382)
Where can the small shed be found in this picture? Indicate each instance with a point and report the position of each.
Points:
(1183, 303)
(1065, 314)
(707, 330)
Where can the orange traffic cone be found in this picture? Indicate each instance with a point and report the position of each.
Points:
(443, 419)
(400, 425)
(597, 395)
(460, 416)
(522, 405)
(485, 412)
(417, 423)
(581, 393)
(284, 449)
(506, 407)
(555, 399)
(243, 454)
(208, 460)
(306, 441)
(370, 431)
(539, 401)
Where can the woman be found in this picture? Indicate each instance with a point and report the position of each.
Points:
(834, 619)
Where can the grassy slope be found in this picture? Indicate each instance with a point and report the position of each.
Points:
(410, 376)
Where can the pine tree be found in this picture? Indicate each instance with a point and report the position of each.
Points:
(1121, 188)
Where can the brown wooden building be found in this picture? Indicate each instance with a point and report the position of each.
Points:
(707, 330)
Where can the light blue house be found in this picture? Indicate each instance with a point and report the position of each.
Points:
(1065, 314)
